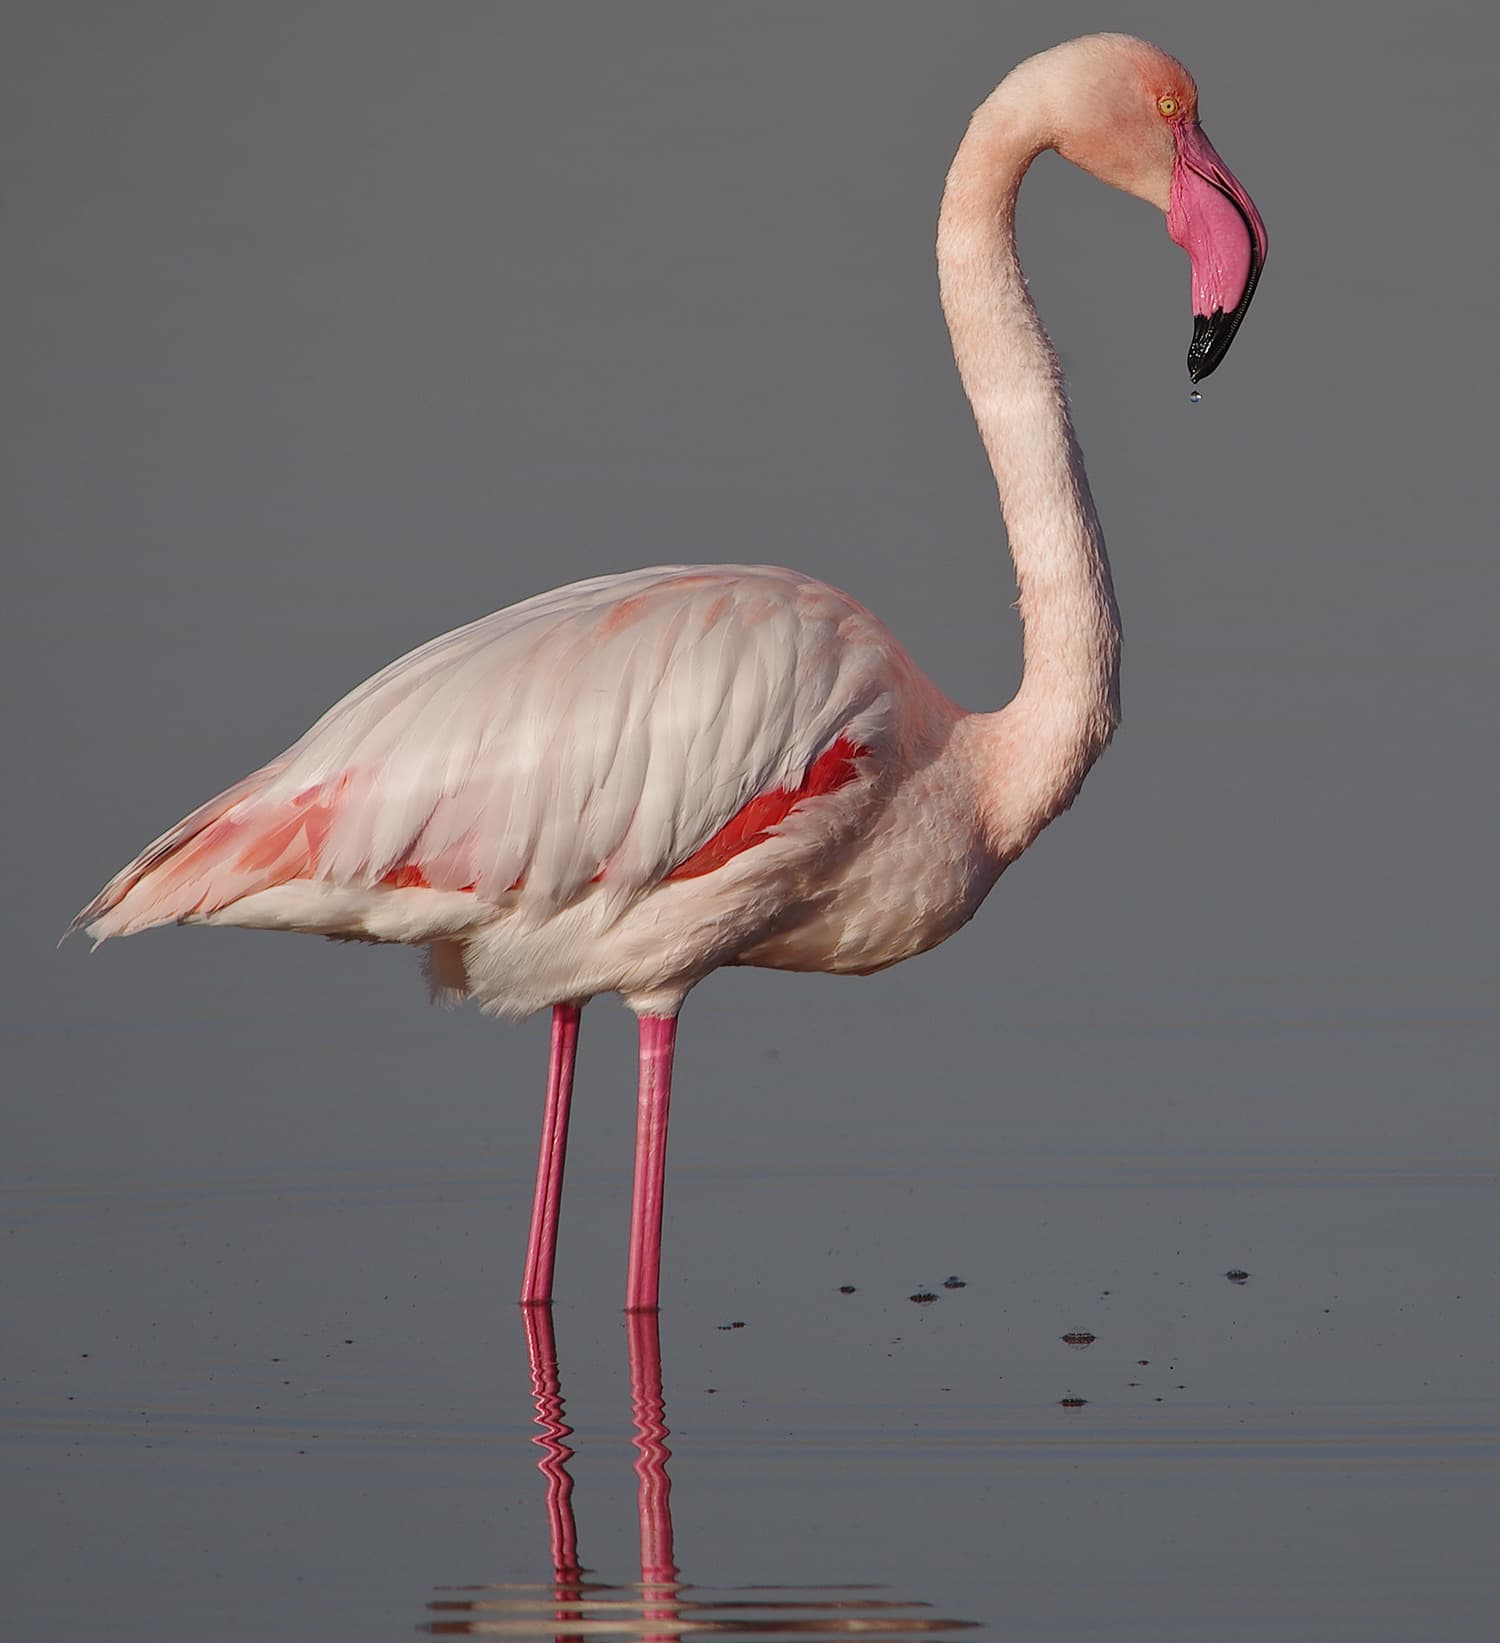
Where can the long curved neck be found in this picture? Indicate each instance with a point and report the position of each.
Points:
(1040, 747)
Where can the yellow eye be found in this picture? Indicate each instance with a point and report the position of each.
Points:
(1168, 106)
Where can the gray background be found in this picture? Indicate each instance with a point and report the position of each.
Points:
(333, 326)
(336, 326)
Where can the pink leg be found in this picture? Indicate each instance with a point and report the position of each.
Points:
(541, 1249)
(643, 1284)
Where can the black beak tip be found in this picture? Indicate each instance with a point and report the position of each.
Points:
(1211, 339)
(1213, 333)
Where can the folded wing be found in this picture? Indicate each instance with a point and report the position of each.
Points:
(598, 735)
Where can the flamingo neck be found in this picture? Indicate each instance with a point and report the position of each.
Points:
(1039, 748)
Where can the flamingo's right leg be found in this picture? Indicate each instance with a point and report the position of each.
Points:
(546, 1205)
(658, 1036)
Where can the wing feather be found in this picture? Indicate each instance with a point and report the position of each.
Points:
(598, 734)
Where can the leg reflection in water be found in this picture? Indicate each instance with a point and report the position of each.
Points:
(654, 1493)
(546, 1389)
(660, 1608)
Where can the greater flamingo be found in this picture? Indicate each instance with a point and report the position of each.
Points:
(619, 786)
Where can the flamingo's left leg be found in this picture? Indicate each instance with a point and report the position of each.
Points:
(546, 1205)
(643, 1282)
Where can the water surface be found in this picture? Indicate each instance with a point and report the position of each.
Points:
(245, 1401)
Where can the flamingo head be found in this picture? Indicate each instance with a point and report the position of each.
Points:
(1128, 113)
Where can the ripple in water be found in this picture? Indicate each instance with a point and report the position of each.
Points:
(676, 1609)
(660, 1605)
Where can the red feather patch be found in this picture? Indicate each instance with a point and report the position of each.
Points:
(827, 773)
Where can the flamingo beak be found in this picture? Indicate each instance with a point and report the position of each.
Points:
(1215, 221)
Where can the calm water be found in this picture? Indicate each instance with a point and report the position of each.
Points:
(253, 1392)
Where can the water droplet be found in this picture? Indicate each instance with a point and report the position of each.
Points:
(1195, 398)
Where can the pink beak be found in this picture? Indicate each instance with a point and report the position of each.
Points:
(1215, 221)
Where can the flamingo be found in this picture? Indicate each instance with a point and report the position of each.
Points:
(621, 785)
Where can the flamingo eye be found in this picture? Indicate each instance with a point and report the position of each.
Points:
(1168, 107)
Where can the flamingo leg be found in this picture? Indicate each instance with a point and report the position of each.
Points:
(546, 1205)
(643, 1282)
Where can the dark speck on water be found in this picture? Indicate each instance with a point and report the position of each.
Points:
(846, 1289)
(1236, 1275)
(1072, 1403)
(924, 1297)
(953, 1281)
(1079, 1338)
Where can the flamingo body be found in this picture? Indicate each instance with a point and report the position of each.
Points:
(562, 800)
(624, 784)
